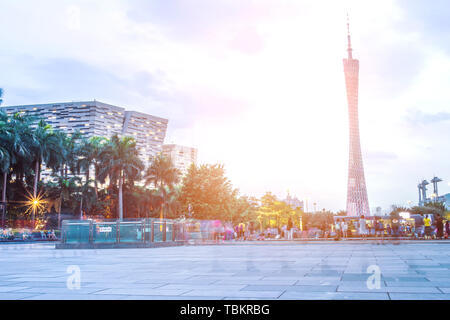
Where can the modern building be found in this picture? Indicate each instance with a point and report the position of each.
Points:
(95, 118)
(182, 157)
(294, 202)
(357, 201)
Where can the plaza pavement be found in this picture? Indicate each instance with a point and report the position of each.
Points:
(319, 270)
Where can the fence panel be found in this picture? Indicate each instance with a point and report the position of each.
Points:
(104, 232)
(131, 232)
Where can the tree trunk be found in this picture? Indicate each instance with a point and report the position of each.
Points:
(120, 206)
(39, 171)
(59, 212)
(96, 188)
(81, 208)
(5, 178)
(95, 181)
(87, 176)
(36, 177)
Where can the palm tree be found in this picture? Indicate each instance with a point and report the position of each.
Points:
(62, 190)
(70, 152)
(5, 155)
(89, 156)
(46, 148)
(119, 161)
(163, 175)
(15, 136)
(20, 139)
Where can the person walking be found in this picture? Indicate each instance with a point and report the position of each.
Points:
(379, 230)
(439, 227)
(420, 228)
(290, 229)
(337, 229)
(344, 228)
(427, 224)
(447, 229)
(363, 227)
(395, 227)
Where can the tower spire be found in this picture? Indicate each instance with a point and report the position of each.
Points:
(349, 48)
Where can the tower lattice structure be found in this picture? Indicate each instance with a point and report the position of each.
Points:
(357, 201)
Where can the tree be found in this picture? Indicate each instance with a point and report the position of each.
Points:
(208, 191)
(120, 161)
(61, 190)
(89, 151)
(436, 205)
(271, 208)
(5, 157)
(20, 139)
(163, 176)
(46, 148)
(5, 150)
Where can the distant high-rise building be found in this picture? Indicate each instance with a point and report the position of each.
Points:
(95, 118)
(357, 201)
(182, 157)
(294, 202)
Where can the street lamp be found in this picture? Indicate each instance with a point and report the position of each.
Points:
(433, 197)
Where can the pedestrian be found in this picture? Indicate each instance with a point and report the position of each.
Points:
(427, 224)
(363, 227)
(389, 229)
(395, 227)
(371, 228)
(344, 228)
(439, 227)
(290, 229)
(447, 229)
(420, 227)
(379, 228)
(337, 229)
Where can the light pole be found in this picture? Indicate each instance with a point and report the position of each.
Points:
(433, 197)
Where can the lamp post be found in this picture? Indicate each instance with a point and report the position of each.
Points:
(433, 197)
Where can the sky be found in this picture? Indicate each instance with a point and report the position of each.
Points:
(255, 85)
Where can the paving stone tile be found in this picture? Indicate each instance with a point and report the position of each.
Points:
(292, 295)
(230, 293)
(250, 271)
(388, 289)
(143, 292)
(52, 296)
(419, 296)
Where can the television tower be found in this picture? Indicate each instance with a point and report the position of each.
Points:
(357, 202)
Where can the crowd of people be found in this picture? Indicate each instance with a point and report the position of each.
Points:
(427, 227)
(424, 227)
(9, 234)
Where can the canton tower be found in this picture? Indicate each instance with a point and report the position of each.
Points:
(357, 203)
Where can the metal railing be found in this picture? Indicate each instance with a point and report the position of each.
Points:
(115, 231)
(143, 230)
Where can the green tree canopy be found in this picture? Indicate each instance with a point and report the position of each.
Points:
(208, 191)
